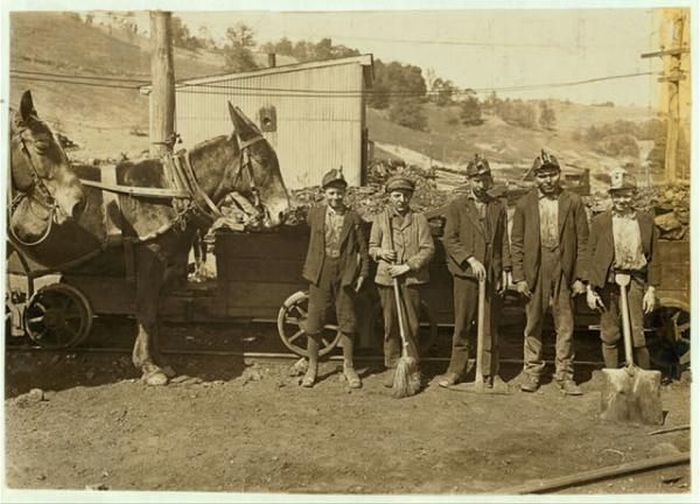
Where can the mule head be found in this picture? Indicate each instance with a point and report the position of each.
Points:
(260, 168)
(39, 166)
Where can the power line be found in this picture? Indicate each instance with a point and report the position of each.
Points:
(79, 83)
(211, 89)
(88, 77)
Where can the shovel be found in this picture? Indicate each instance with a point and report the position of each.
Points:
(478, 385)
(630, 394)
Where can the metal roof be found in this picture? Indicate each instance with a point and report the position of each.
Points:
(363, 59)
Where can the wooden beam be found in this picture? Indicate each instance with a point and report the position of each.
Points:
(542, 486)
(162, 98)
(675, 51)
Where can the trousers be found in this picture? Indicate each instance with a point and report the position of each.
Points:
(466, 299)
(411, 299)
(552, 290)
(328, 293)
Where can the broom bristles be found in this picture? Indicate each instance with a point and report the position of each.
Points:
(406, 378)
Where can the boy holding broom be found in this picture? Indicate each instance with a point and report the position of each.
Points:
(622, 240)
(401, 243)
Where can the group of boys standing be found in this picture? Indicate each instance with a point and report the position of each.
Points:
(549, 259)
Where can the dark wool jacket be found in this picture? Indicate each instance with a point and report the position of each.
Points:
(354, 259)
(525, 237)
(601, 248)
(464, 236)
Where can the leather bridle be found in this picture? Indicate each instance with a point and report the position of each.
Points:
(37, 190)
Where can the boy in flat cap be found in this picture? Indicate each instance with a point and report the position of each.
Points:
(476, 244)
(548, 243)
(623, 240)
(401, 244)
(336, 266)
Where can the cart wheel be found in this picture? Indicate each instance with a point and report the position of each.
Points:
(291, 322)
(668, 335)
(427, 334)
(58, 316)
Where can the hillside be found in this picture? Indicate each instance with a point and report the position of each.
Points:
(508, 147)
(102, 120)
(107, 121)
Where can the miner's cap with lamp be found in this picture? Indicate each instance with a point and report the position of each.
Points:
(545, 163)
(478, 166)
(621, 181)
(334, 178)
(400, 183)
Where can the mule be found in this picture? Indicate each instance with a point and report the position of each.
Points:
(159, 231)
(43, 189)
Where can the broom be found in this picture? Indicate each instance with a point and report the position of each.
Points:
(406, 376)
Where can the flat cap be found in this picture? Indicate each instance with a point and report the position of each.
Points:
(478, 166)
(334, 177)
(545, 162)
(400, 182)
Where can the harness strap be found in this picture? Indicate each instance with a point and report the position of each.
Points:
(199, 195)
(148, 192)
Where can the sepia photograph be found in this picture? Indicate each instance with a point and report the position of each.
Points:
(360, 251)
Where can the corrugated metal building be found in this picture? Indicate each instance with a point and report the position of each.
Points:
(312, 113)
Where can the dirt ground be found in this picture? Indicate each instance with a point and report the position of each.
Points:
(235, 424)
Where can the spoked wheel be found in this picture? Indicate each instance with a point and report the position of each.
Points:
(668, 336)
(58, 316)
(291, 325)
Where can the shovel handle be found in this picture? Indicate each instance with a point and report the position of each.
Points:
(626, 326)
(481, 312)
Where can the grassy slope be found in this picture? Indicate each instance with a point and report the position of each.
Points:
(498, 141)
(99, 119)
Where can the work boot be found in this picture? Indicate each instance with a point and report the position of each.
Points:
(388, 378)
(569, 387)
(530, 383)
(352, 377)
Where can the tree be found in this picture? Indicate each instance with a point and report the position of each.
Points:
(442, 92)
(238, 52)
(547, 117)
(470, 111)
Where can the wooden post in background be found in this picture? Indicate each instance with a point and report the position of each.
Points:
(673, 74)
(162, 99)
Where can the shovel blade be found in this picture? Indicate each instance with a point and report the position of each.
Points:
(632, 395)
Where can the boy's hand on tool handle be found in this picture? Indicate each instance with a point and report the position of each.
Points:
(649, 300)
(593, 299)
(396, 270)
(359, 282)
(578, 287)
(523, 289)
(504, 283)
(387, 255)
(477, 268)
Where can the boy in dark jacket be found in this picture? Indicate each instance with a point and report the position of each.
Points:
(622, 240)
(337, 263)
(476, 244)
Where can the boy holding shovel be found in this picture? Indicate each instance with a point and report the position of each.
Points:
(401, 244)
(622, 240)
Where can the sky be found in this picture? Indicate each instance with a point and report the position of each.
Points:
(483, 49)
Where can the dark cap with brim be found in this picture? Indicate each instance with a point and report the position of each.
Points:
(334, 178)
(400, 183)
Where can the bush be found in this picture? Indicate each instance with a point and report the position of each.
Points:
(409, 113)
(470, 111)
(618, 145)
(517, 113)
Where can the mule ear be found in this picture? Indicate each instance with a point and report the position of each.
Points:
(245, 128)
(26, 106)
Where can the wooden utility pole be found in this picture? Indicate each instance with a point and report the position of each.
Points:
(162, 99)
(673, 74)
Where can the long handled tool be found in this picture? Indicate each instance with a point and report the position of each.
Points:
(630, 394)
(406, 377)
(478, 384)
